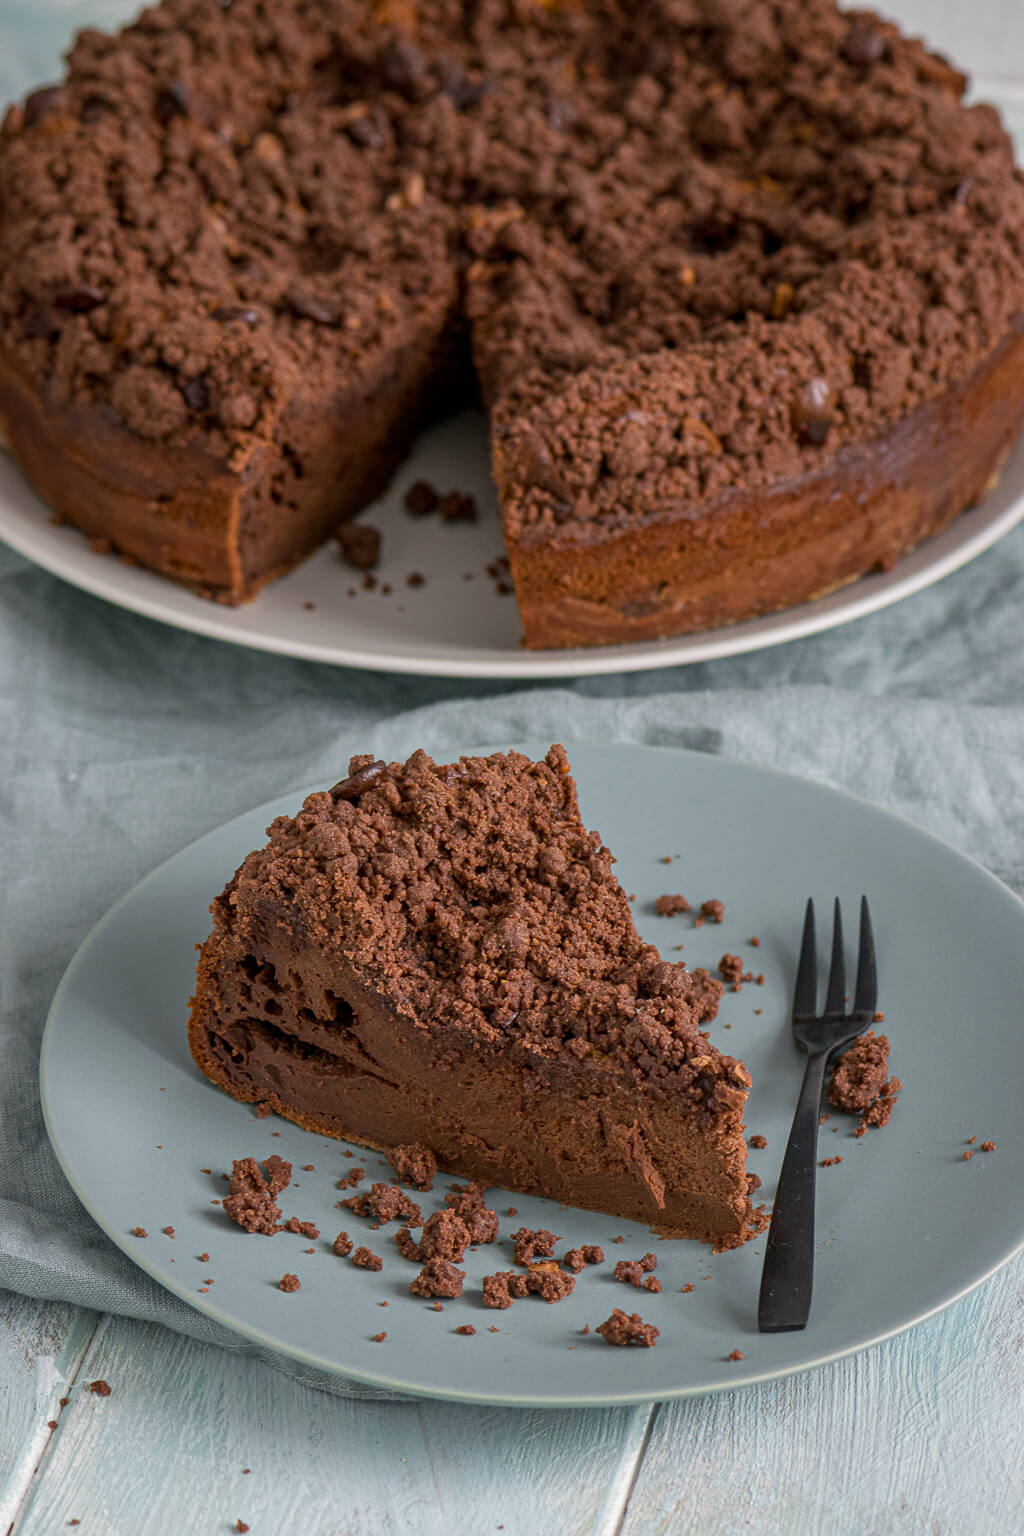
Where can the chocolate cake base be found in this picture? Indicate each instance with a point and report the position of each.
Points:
(573, 1134)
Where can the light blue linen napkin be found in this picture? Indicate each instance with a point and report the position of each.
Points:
(121, 740)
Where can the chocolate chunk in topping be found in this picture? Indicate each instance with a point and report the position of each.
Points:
(310, 306)
(196, 392)
(812, 410)
(79, 298)
(863, 44)
(172, 101)
(40, 103)
(358, 782)
(359, 544)
(227, 314)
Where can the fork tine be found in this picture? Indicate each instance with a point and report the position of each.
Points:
(866, 995)
(836, 999)
(805, 993)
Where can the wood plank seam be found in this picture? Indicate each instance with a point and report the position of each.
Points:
(61, 1377)
(627, 1492)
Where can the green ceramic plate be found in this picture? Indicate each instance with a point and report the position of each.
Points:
(905, 1226)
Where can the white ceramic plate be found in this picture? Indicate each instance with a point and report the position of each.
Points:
(451, 626)
(905, 1226)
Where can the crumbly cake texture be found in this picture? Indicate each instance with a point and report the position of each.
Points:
(703, 254)
(441, 956)
(861, 1084)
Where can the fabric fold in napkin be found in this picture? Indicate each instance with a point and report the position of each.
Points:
(123, 740)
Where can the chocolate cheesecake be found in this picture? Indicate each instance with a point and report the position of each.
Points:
(440, 955)
(739, 282)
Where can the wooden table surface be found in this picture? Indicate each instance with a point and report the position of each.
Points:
(922, 1436)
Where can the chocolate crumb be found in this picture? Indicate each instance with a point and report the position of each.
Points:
(466, 1329)
(688, 1287)
(342, 1245)
(457, 508)
(363, 1258)
(169, 1231)
(139, 1232)
(445, 1236)
(988, 1146)
(408, 1247)
(415, 579)
(669, 905)
(830, 1162)
(100, 1388)
(386, 1203)
(530, 1245)
(467, 1201)
(414, 1165)
(359, 545)
(251, 1201)
(421, 499)
(438, 1277)
(241, 1527)
(968, 1155)
(971, 1140)
(737, 1354)
(289, 1283)
(632, 1271)
(758, 1142)
(301, 1228)
(754, 942)
(713, 911)
(577, 1258)
(378, 1338)
(623, 1329)
(730, 968)
(51, 1423)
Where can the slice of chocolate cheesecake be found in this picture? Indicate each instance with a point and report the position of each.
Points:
(441, 955)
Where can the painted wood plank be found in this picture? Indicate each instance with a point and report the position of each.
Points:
(166, 1451)
(41, 1346)
(922, 1434)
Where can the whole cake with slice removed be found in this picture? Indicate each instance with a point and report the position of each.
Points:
(440, 955)
(740, 283)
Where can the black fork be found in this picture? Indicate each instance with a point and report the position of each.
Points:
(788, 1275)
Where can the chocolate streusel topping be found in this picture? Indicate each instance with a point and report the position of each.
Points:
(729, 238)
(471, 894)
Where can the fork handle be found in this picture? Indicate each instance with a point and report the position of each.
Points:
(787, 1278)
